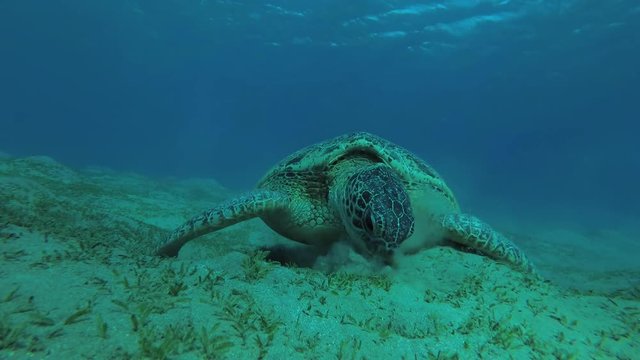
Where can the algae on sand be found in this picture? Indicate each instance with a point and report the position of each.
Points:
(77, 283)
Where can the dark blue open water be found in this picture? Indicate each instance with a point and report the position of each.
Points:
(526, 107)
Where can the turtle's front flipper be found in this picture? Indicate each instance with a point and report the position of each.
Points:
(225, 214)
(470, 231)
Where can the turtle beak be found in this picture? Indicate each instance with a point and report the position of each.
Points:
(379, 247)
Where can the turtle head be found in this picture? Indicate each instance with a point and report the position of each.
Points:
(377, 209)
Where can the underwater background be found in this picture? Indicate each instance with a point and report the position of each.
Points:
(529, 109)
(526, 105)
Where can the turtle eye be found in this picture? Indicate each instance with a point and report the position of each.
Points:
(368, 223)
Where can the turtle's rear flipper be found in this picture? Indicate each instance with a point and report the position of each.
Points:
(225, 214)
(472, 232)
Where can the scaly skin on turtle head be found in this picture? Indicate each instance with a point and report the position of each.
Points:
(376, 209)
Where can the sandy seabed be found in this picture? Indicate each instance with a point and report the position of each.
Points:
(77, 282)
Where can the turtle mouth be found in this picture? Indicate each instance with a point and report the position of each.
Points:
(378, 246)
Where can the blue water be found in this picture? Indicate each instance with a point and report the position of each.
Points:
(527, 107)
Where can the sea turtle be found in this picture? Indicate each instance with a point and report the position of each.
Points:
(358, 187)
